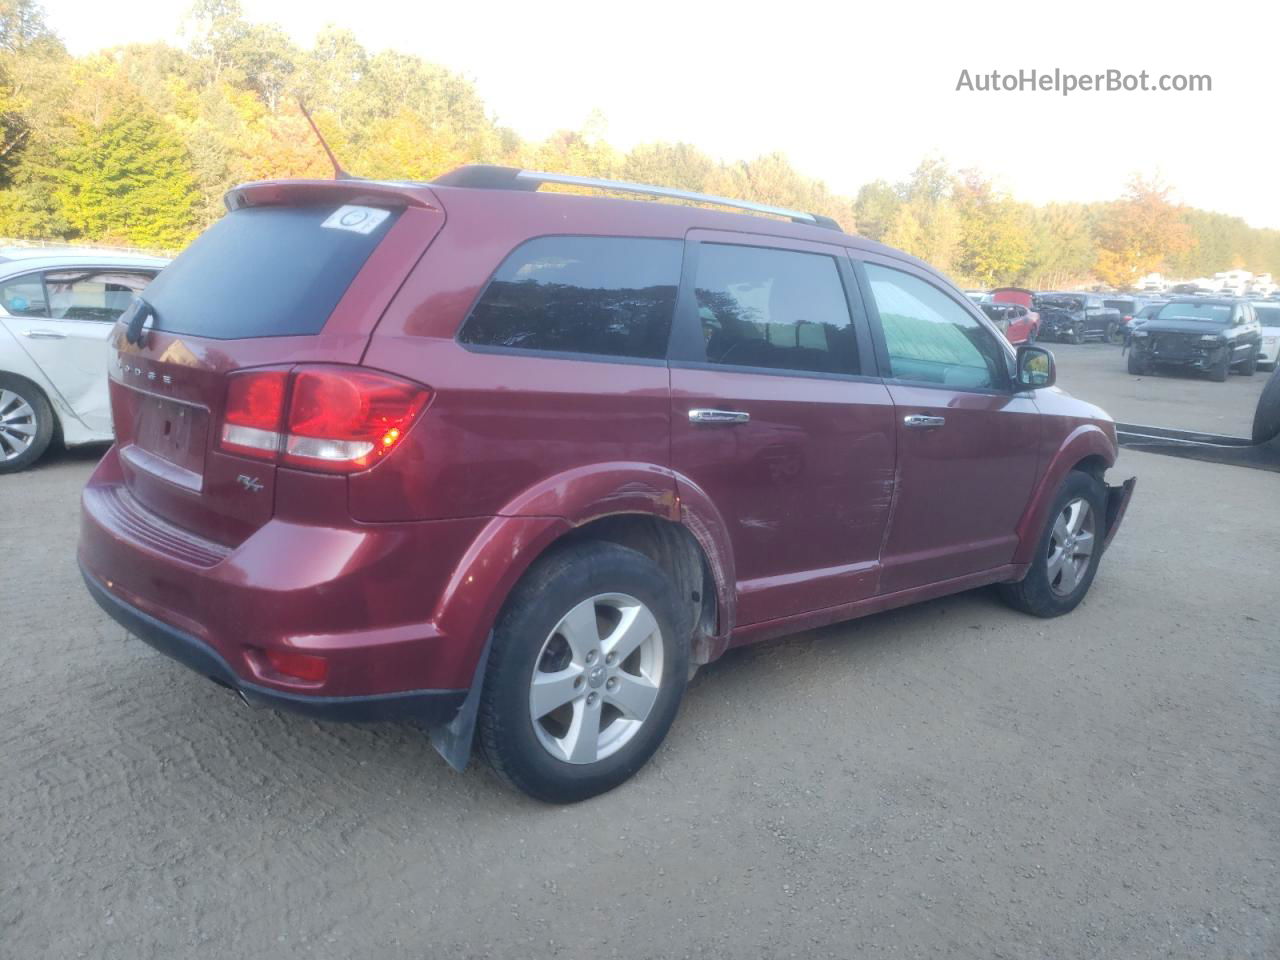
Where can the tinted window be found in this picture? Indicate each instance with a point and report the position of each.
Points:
(930, 337)
(774, 308)
(24, 297)
(100, 295)
(265, 272)
(602, 295)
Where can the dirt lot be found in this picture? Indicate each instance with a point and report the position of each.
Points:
(952, 779)
(1185, 400)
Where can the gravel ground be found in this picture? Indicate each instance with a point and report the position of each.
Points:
(952, 779)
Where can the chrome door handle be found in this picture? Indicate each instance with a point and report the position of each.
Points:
(43, 335)
(921, 421)
(718, 416)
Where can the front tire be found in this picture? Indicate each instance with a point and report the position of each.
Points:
(1067, 553)
(1250, 366)
(1222, 369)
(587, 669)
(1136, 366)
(26, 423)
(1077, 335)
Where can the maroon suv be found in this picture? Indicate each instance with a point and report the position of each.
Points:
(511, 462)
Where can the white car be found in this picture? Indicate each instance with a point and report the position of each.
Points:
(57, 308)
(1268, 312)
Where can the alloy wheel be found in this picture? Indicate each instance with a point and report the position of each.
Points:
(17, 425)
(1071, 545)
(596, 679)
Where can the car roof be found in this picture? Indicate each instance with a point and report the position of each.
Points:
(22, 259)
(1212, 301)
(546, 212)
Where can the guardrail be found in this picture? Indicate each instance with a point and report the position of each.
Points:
(106, 247)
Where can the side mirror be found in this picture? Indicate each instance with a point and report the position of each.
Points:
(1035, 368)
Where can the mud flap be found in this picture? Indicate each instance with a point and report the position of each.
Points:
(452, 740)
(1117, 503)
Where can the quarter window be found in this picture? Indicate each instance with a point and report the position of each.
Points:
(24, 297)
(610, 296)
(931, 338)
(776, 309)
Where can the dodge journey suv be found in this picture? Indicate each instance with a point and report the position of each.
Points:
(510, 463)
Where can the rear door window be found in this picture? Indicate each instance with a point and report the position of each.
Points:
(774, 309)
(930, 338)
(93, 294)
(603, 296)
(267, 271)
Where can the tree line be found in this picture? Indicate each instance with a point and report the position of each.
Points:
(137, 145)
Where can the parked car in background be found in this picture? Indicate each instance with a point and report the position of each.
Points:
(471, 454)
(978, 296)
(1075, 317)
(1016, 322)
(1128, 308)
(57, 308)
(1212, 334)
(1024, 298)
(1268, 313)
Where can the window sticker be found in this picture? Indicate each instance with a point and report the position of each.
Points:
(356, 219)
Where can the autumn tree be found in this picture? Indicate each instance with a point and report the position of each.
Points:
(1139, 233)
(995, 235)
(127, 180)
(926, 223)
(875, 208)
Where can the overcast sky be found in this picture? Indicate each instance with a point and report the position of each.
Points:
(850, 93)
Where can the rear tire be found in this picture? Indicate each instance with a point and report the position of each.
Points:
(27, 423)
(1062, 572)
(554, 643)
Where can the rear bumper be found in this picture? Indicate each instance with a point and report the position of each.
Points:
(370, 600)
(428, 706)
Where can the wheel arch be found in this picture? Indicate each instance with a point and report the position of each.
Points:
(1087, 448)
(636, 506)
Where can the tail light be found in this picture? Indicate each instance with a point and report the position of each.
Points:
(327, 418)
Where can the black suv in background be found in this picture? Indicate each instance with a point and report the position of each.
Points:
(1212, 334)
(1075, 317)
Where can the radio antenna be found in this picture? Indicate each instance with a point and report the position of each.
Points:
(338, 172)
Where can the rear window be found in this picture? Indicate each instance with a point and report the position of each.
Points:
(608, 296)
(267, 271)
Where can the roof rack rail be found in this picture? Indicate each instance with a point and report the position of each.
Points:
(491, 177)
